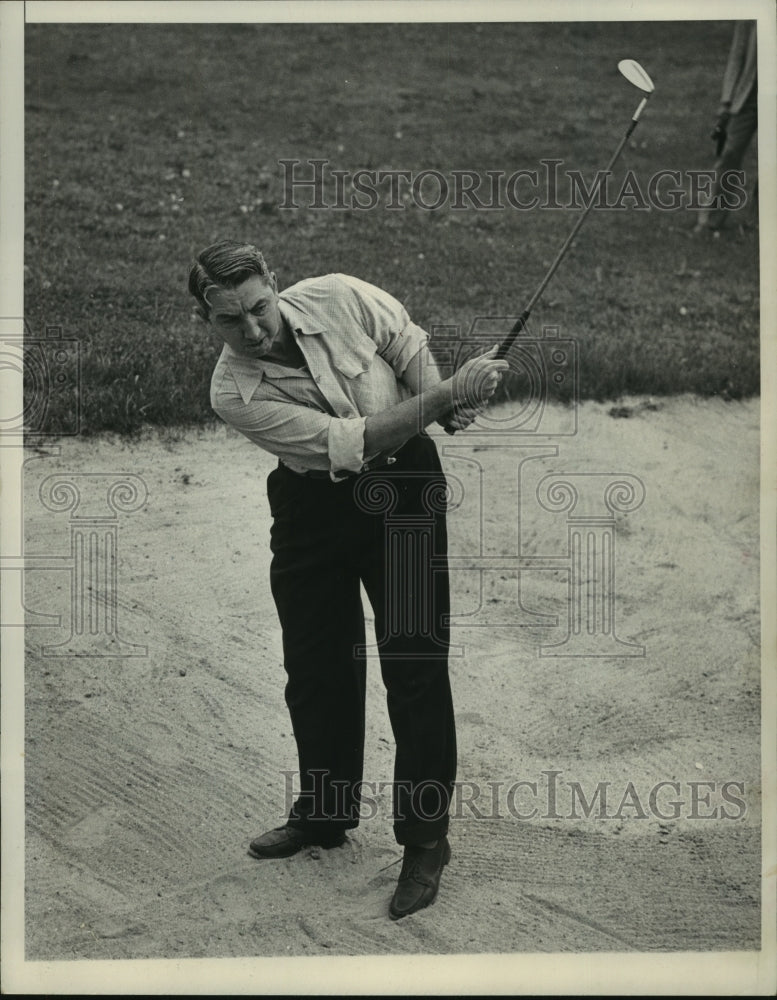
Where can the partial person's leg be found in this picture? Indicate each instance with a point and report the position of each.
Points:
(319, 605)
(406, 579)
(741, 128)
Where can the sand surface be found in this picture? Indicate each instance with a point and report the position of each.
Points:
(147, 775)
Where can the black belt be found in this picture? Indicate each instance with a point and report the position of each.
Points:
(376, 463)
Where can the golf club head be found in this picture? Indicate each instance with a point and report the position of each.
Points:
(635, 74)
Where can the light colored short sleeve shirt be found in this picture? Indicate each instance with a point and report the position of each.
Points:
(357, 341)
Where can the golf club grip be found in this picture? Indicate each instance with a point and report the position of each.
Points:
(504, 347)
(518, 326)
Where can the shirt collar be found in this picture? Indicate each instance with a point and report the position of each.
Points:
(249, 372)
(298, 318)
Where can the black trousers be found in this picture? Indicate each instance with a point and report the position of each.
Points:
(385, 529)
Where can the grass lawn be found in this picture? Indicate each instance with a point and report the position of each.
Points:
(146, 142)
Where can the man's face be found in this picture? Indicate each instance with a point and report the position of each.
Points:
(247, 317)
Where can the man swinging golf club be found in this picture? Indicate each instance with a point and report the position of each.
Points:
(333, 378)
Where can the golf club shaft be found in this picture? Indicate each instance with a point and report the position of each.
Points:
(522, 320)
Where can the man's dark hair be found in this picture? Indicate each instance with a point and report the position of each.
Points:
(224, 264)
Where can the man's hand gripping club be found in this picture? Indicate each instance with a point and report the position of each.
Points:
(455, 401)
(473, 386)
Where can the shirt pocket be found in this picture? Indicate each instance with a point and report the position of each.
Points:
(358, 359)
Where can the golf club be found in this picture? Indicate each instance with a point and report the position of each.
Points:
(636, 75)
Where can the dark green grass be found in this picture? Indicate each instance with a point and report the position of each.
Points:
(144, 143)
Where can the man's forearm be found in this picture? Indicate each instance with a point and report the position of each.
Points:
(471, 386)
(387, 431)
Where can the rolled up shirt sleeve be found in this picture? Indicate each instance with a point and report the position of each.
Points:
(346, 444)
(387, 322)
(298, 435)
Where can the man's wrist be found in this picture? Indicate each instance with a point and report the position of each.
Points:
(440, 401)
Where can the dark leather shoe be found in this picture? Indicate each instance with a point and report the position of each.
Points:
(419, 879)
(284, 841)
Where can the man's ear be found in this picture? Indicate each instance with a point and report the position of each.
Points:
(201, 311)
(273, 281)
